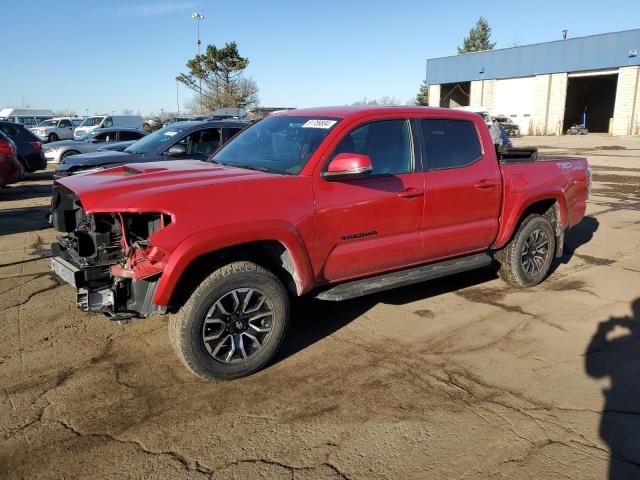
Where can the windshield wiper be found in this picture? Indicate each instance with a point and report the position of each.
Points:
(250, 167)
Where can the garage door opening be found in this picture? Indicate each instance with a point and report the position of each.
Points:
(593, 95)
(455, 94)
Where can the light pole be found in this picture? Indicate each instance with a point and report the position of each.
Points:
(178, 96)
(197, 16)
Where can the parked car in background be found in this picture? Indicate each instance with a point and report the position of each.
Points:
(176, 120)
(90, 124)
(29, 117)
(57, 152)
(509, 126)
(178, 141)
(30, 153)
(11, 169)
(56, 129)
(116, 146)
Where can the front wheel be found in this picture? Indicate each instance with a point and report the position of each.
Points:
(233, 323)
(53, 137)
(526, 259)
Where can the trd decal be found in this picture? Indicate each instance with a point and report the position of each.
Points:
(358, 235)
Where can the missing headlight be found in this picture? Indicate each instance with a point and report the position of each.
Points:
(140, 226)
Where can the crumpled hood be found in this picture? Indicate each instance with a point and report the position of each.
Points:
(128, 187)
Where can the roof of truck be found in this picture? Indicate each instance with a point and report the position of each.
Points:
(353, 110)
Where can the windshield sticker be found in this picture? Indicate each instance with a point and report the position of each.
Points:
(170, 133)
(319, 124)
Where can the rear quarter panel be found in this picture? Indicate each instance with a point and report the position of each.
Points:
(564, 180)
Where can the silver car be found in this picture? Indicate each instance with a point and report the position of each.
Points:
(56, 152)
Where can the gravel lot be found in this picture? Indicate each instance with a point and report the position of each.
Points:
(457, 378)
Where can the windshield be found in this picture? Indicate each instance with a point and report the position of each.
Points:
(156, 140)
(91, 121)
(48, 123)
(276, 144)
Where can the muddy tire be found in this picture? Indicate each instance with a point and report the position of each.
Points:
(526, 259)
(233, 324)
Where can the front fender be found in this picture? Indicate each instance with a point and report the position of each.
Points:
(218, 238)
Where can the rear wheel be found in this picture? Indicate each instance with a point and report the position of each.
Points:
(526, 259)
(53, 137)
(233, 323)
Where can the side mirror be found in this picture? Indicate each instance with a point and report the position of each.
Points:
(346, 166)
(177, 151)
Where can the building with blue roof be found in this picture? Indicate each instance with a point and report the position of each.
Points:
(548, 87)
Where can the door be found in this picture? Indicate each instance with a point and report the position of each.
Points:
(463, 189)
(66, 129)
(371, 224)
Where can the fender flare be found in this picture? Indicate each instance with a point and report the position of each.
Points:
(513, 218)
(215, 239)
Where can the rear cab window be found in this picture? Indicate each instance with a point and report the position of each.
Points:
(450, 143)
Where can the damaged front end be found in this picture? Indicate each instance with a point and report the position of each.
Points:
(107, 257)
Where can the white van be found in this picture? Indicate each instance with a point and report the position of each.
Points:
(29, 117)
(108, 121)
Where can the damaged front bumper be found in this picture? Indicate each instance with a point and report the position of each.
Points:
(107, 257)
(120, 299)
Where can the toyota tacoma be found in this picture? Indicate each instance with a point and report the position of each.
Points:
(333, 202)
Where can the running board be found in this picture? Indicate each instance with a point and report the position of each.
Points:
(387, 281)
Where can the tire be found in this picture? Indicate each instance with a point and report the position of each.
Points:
(213, 300)
(53, 137)
(68, 154)
(527, 258)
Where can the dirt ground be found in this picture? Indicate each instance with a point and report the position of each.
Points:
(461, 378)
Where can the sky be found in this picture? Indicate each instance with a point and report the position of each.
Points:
(103, 56)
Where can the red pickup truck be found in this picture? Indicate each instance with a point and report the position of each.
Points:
(336, 202)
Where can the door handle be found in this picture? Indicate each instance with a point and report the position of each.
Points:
(485, 184)
(411, 192)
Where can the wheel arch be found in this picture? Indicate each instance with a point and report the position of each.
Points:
(285, 255)
(551, 206)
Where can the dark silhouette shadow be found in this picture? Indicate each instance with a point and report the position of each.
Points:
(41, 175)
(618, 357)
(24, 191)
(574, 238)
(26, 219)
(313, 320)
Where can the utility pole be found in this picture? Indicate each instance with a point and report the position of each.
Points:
(197, 16)
(177, 97)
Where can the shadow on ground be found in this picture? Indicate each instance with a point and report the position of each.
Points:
(314, 320)
(26, 219)
(614, 352)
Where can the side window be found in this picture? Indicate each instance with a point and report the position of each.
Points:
(105, 137)
(108, 122)
(387, 142)
(27, 120)
(125, 136)
(9, 130)
(450, 143)
(64, 124)
(202, 142)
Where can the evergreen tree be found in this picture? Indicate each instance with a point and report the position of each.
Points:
(423, 94)
(219, 70)
(479, 38)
